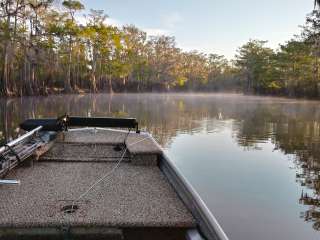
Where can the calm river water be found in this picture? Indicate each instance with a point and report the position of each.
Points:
(254, 160)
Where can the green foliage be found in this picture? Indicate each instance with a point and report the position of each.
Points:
(255, 61)
(44, 49)
(73, 5)
(292, 70)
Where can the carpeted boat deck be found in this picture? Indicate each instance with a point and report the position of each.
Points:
(134, 196)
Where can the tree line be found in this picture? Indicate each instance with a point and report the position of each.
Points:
(44, 49)
(292, 70)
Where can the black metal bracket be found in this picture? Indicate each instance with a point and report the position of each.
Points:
(62, 123)
(13, 152)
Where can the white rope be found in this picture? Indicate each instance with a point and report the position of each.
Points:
(108, 174)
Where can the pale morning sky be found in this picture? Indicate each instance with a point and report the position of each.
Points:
(210, 26)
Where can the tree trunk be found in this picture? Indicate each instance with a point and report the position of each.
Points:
(93, 83)
(67, 82)
(5, 72)
(124, 83)
(93, 77)
(4, 82)
(110, 85)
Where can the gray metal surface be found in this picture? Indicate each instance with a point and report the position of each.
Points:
(193, 234)
(9, 182)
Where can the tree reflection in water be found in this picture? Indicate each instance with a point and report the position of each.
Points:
(292, 126)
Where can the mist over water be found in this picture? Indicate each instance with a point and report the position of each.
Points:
(254, 160)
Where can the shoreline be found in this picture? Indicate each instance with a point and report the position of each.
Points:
(84, 92)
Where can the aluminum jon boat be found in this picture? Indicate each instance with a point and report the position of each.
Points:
(76, 177)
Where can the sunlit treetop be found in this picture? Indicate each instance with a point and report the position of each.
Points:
(73, 5)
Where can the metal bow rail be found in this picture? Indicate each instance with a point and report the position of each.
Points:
(18, 150)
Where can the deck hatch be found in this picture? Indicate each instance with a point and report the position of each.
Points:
(72, 208)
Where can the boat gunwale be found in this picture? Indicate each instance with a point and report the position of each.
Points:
(208, 224)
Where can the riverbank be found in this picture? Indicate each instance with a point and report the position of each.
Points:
(81, 92)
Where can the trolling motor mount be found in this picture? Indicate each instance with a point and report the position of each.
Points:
(64, 122)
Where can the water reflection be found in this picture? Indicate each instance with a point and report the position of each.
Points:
(293, 127)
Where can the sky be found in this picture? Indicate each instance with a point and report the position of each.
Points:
(210, 26)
